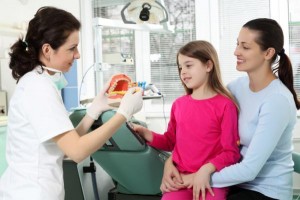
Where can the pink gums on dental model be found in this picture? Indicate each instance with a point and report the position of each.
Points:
(119, 85)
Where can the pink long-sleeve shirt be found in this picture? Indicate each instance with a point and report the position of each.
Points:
(201, 131)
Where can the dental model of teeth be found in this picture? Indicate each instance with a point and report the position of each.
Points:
(119, 85)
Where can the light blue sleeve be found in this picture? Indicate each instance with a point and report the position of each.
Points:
(274, 116)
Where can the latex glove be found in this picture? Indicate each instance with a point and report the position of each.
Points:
(131, 103)
(99, 103)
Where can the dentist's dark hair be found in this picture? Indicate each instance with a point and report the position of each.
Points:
(49, 25)
(270, 35)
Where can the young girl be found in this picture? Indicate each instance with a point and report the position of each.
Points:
(202, 132)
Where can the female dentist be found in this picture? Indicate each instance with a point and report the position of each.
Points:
(40, 132)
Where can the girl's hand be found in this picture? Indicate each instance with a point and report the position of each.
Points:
(188, 180)
(170, 174)
(143, 132)
(201, 181)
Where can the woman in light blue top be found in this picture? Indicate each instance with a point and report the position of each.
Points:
(268, 105)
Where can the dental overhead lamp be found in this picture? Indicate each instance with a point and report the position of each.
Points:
(144, 11)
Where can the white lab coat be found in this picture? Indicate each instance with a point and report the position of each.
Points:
(36, 115)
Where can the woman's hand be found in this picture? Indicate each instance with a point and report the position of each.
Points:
(171, 180)
(187, 180)
(201, 181)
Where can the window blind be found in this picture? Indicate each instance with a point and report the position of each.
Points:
(164, 47)
(117, 43)
(294, 42)
(232, 18)
(120, 43)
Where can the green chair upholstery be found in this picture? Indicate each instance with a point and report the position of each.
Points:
(296, 159)
(3, 163)
(135, 167)
(77, 115)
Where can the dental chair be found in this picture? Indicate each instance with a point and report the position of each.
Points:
(135, 167)
(296, 159)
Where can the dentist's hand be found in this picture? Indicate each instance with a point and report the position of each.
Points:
(131, 103)
(99, 103)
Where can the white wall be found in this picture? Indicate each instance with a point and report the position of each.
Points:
(15, 14)
(14, 17)
(23, 10)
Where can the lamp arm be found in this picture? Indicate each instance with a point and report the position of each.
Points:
(167, 16)
(123, 15)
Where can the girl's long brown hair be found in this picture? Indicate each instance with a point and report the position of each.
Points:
(204, 51)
